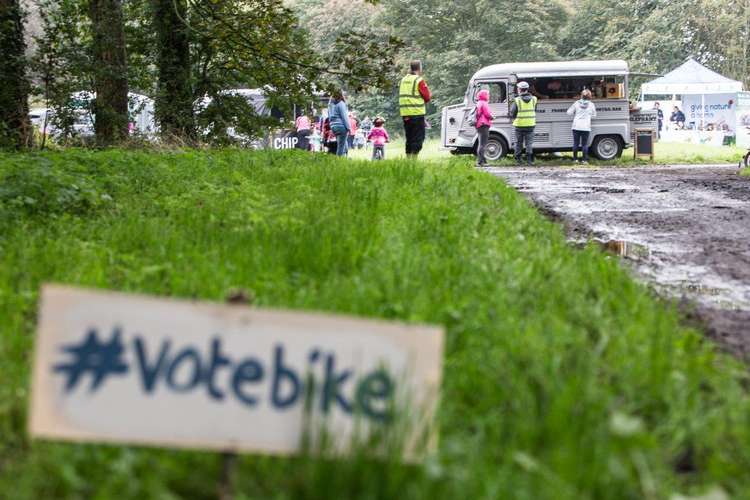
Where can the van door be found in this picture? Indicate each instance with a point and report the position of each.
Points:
(498, 98)
(451, 124)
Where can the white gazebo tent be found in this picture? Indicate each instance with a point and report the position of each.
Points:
(692, 78)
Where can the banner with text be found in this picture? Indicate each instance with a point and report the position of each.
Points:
(743, 119)
(134, 369)
(719, 111)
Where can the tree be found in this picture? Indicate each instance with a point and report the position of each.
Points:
(261, 39)
(656, 37)
(174, 96)
(15, 128)
(328, 21)
(110, 71)
(674, 30)
(454, 39)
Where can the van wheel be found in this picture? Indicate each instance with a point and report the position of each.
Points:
(607, 147)
(496, 148)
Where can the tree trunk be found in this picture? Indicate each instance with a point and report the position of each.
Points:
(110, 72)
(174, 98)
(15, 127)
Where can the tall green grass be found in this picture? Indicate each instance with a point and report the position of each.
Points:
(563, 378)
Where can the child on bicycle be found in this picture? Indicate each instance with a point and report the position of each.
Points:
(378, 136)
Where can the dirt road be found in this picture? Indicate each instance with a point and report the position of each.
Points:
(683, 229)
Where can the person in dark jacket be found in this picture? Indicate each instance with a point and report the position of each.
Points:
(660, 117)
(677, 118)
(523, 113)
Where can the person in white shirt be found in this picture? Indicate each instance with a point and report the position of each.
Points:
(582, 111)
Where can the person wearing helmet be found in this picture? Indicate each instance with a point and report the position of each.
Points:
(523, 113)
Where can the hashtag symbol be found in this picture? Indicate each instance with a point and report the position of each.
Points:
(100, 359)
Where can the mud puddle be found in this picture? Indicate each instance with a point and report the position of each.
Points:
(684, 230)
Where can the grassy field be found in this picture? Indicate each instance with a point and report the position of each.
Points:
(431, 151)
(564, 379)
(664, 153)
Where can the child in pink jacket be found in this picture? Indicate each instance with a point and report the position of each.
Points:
(378, 136)
(484, 120)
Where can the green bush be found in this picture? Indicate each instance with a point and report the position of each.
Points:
(35, 186)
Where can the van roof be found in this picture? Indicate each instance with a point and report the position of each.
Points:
(553, 69)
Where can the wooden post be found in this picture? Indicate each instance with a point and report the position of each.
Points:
(229, 458)
(228, 470)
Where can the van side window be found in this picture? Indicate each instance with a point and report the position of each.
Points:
(498, 91)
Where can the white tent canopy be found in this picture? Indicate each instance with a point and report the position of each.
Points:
(691, 78)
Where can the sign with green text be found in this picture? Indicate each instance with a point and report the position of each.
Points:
(113, 367)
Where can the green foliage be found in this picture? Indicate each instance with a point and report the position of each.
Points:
(365, 46)
(350, 35)
(229, 119)
(659, 36)
(456, 39)
(64, 60)
(453, 40)
(374, 103)
(37, 187)
(562, 377)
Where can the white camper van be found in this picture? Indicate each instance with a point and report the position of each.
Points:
(557, 85)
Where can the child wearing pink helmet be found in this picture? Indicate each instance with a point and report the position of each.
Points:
(378, 136)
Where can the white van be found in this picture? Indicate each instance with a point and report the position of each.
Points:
(557, 85)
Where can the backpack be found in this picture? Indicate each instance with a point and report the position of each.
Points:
(472, 118)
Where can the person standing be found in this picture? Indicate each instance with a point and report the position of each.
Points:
(352, 129)
(338, 117)
(582, 111)
(303, 131)
(660, 117)
(483, 121)
(412, 96)
(523, 112)
(366, 127)
(329, 138)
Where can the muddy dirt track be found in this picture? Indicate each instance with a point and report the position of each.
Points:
(683, 229)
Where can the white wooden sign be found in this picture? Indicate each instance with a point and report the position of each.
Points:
(113, 367)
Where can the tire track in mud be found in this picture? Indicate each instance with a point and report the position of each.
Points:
(685, 230)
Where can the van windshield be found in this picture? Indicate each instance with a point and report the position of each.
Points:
(569, 88)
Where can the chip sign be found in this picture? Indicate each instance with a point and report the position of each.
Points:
(113, 367)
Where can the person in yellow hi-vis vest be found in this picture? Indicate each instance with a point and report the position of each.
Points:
(523, 113)
(413, 94)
